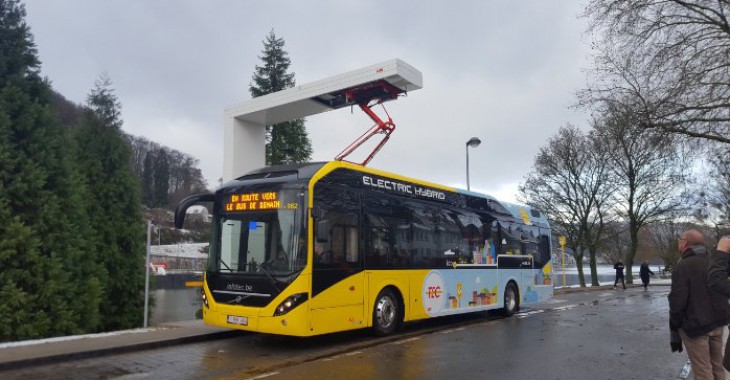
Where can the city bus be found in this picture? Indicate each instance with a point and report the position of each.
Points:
(316, 248)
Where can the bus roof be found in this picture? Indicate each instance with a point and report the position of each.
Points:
(306, 171)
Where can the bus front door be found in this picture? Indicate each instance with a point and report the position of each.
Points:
(337, 281)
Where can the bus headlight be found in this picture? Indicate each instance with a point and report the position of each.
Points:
(290, 303)
(205, 299)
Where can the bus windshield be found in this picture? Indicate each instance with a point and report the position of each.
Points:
(260, 232)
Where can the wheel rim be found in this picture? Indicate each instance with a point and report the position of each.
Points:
(510, 301)
(385, 312)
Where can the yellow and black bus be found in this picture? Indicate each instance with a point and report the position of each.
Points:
(317, 248)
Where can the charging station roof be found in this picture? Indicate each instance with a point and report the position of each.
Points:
(323, 95)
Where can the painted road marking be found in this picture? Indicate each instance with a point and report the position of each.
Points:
(132, 376)
(529, 313)
(263, 376)
(407, 340)
(452, 330)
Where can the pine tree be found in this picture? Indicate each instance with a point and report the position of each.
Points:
(285, 142)
(113, 206)
(44, 223)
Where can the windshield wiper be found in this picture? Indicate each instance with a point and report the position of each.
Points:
(224, 264)
(273, 281)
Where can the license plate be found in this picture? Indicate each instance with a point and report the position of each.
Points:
(236, 320)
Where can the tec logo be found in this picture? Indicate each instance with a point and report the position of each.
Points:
(434, 292)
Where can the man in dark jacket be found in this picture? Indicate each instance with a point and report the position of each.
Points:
(697, 315)
(717, 273)
(619, 266)
(644, 273)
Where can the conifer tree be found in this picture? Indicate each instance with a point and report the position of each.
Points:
(113, 206)
(285, 142)
(44, 224)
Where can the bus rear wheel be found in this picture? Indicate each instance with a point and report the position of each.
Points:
(387, 315)
(511, 301)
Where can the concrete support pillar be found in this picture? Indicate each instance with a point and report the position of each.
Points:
(244, 147)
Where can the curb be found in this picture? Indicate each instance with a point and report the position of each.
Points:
(93, 353)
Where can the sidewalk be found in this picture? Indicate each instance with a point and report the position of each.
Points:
(655, 281)
(37, 352)
(45, 351)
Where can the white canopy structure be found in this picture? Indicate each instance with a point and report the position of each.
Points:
(245, 123)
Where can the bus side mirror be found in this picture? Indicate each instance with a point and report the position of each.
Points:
(184, 204)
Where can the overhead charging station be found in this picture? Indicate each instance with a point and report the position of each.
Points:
(245, 123)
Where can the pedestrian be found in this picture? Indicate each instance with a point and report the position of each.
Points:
(619, 266)
(717, 273)
(644, 273)
(697, 315)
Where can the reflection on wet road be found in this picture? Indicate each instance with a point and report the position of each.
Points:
(586, 335)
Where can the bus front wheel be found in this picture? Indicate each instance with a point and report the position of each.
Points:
(386, 313)
(511, 300)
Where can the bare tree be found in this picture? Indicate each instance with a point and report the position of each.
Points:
(569, 184)
(616, 242)
(717, 193)
(669, 58)
(650, 170)
(665, 236)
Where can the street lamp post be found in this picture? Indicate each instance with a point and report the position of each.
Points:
(473, 142)
(147, 275)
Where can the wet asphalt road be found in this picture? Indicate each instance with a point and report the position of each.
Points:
(614, 334)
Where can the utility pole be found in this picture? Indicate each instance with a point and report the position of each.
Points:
(147, 274)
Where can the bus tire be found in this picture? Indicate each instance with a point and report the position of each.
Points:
(511, 300)
(387, 315)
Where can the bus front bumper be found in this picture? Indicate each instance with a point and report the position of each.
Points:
(294, 323)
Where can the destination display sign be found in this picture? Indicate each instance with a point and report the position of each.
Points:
(258, 201)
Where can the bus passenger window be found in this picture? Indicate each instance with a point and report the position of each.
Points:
(335, 228)
(351, 252)
(341, 246)
(321, 253)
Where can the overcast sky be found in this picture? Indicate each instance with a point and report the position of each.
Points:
(503, 71)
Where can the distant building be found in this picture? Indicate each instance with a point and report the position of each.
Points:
(177, 258)
(199, 210)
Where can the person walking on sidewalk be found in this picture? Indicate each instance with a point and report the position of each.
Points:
(644, 273)
(619, 266)
(717, 278)
(697, 315)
